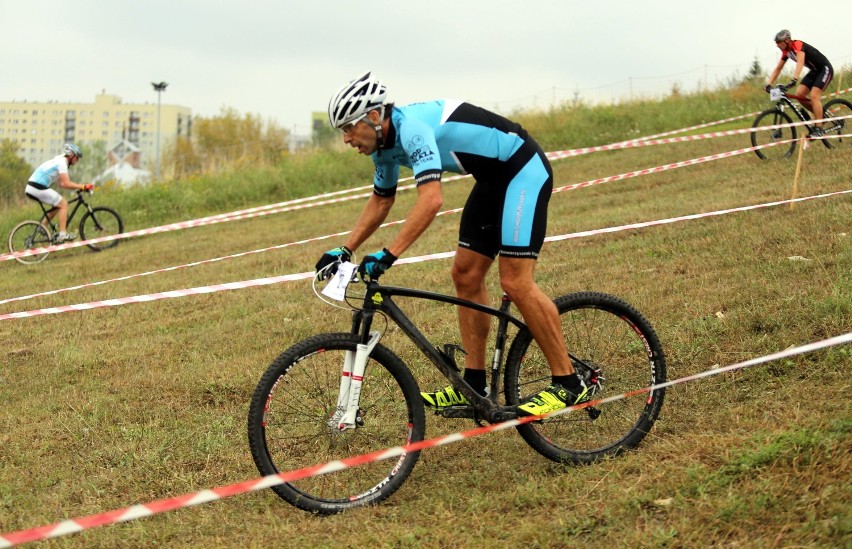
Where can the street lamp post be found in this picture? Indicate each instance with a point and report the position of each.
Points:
(159, 87)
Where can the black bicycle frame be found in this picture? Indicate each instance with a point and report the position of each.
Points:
(378, 299)
(788, 102)
(78, 202)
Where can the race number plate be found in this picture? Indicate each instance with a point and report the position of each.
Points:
(336, 287)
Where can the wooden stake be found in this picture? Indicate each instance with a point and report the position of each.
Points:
(802, 144)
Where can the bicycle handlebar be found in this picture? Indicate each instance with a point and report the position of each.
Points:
(783, 90)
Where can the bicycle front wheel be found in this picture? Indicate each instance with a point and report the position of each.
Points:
(615, 349)
(773, 117)
(289, 427)
(29, 235)
(99, 222)
(837, 108)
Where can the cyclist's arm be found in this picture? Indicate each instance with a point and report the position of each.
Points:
(429, 202)
(65, 182)
(374, 214)
(776, 72)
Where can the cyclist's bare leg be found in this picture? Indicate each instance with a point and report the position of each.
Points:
(469, 270)
(816, 104)
(62, 208)
(538, 311)
(812, 100)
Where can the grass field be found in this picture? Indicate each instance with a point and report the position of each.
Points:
(115, 406)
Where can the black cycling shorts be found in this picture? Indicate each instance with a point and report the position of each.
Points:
(506, 212)
(820, 78)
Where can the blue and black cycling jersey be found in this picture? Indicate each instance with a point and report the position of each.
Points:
(443, 135)
(506, 212)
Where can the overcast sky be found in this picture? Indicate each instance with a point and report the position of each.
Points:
(282, 60)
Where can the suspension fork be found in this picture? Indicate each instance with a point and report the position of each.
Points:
(352, 375)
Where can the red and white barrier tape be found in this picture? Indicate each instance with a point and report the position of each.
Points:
(173, 227)
(314, 200)
(202, 262)
(724, 121)
(667, 167)
(556, 190)
(134, 512)
(210, 221)
(557, 155)
(307, 275)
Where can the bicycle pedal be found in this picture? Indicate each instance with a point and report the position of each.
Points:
(593, 412)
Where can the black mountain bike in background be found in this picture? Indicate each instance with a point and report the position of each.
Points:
(338, 395)
(778, 115)
(98, 221)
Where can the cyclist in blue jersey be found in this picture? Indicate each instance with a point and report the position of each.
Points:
(505, 216)
(53, 171)
(820, 73)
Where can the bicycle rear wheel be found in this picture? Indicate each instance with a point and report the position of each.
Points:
(101, 221)
(610, 342)
(773, 117)
(288, 424)
(29, 235)
(834, 109)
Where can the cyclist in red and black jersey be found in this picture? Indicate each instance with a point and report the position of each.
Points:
(820, 73)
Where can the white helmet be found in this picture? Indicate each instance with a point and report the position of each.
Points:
(356, 99)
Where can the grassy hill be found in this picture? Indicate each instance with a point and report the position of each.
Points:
(122, 405)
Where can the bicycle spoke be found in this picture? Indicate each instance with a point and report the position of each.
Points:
(773, 117)
(609, 342)
(29, 235)
(289, 424)
(838, 108)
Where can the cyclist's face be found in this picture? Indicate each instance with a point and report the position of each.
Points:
(782, 45)
(362, 136)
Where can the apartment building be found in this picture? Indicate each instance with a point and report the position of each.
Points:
(41, 129)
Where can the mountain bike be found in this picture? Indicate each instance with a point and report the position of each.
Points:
(336, 395)
(778, 116)
(98, 221)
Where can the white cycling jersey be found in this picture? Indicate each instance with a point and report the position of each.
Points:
(47, 174)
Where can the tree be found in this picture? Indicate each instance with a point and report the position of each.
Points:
(227, 140)
(14, 172)
(755, 72)
(182, 158)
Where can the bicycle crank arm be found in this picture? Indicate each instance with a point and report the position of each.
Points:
(457, 412)
(496, 415)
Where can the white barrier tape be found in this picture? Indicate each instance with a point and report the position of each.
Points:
(222, 218)
(667, 167)
(556, 190)
(696, 127)
(303, 276)
(209, 495)
(724, 121)
(314, 200)
(172, 227)
(557, 155)
(160, 295)
(195, 223)
(690, 217)
(202, 262)
(168, 269)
